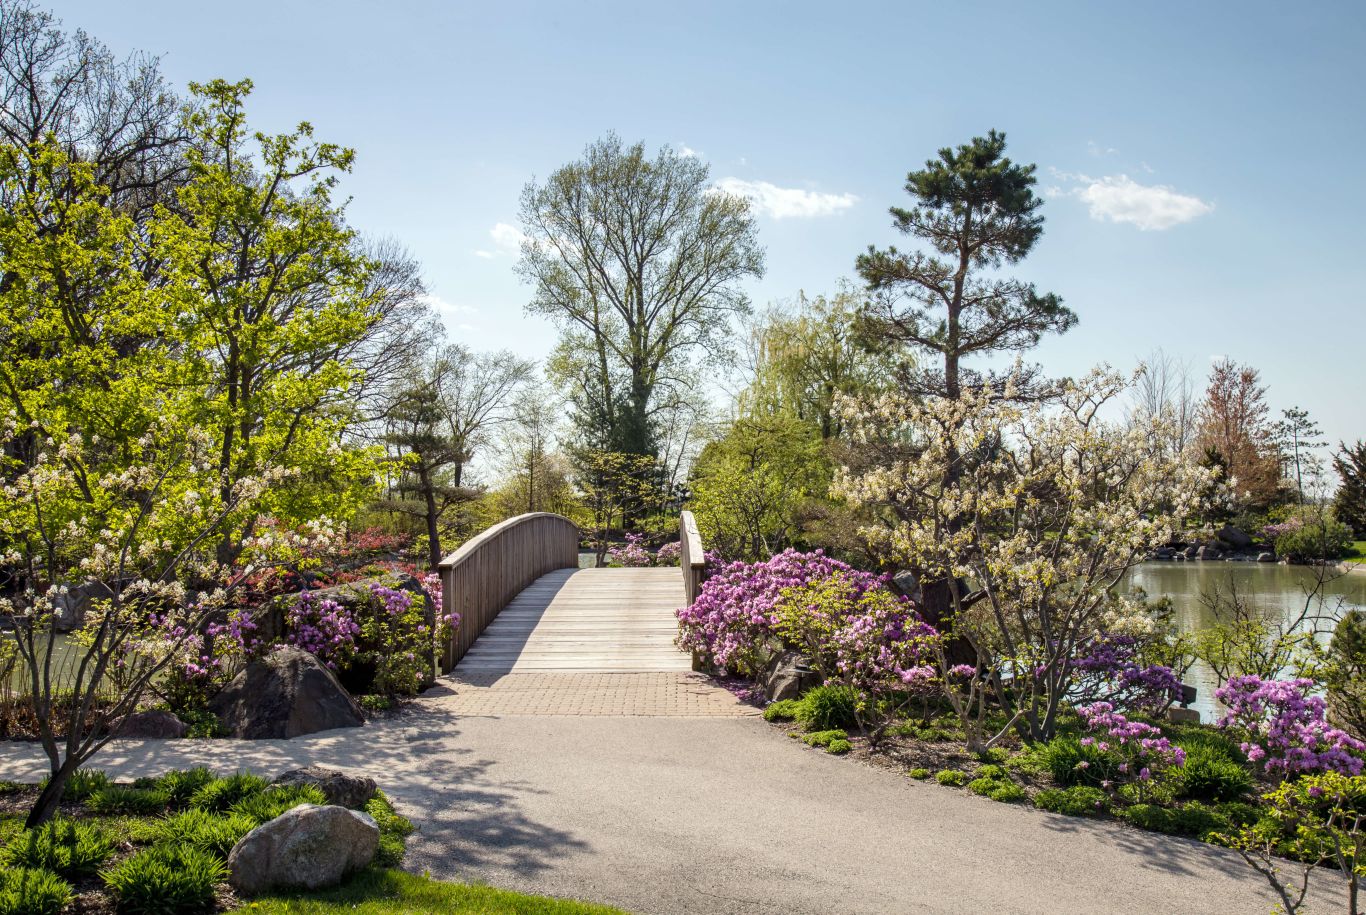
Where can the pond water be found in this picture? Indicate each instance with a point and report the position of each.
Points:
(1272, 588)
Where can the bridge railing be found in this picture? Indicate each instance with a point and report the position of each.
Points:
(483, 576)
(692, 555)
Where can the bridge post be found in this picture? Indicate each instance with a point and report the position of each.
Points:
(691, 555)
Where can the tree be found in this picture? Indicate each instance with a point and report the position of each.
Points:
(805, 358)
(440, 414)
(976, 210)
(750, 485)
(1235, 423)
(1296, 436)
(1049, 510)
(1349, 503)
(617, 486)
(1164, 391)
(282, 297)
(538, 478)
(639, 262)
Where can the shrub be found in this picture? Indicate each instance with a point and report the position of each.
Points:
(919, 772)
(181, 784)
(823, 738)
(268, 804)
(70, 848)
(215, 833)
(1193, 819)
(1080, 800)
(782, 710)
(951, 777)
(1288, 727)
(1210, 775)
(118, 799)
(222, 793)
(165, 880)
(393, 830)
(995, 755)
(838, 747)
(1314, 540)
(31, 891)
(81, 784)
(1072, 763)
(200, 722)
(991, 770)
(826, 707)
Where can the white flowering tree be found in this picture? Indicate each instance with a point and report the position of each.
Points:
(1046, 508)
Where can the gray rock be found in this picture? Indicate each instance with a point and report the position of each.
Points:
(1178, 715)
(73, 605)
(155, 724)
(306, 848)
(340, 789)
(908, 584)
(1207, 552)
(1266, 557)
(787, 676)
(287, 693)
(1233, 537)
(1191, 551)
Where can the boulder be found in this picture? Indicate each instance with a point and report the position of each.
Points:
(1178, 715)
(908, 584)
(1207, 551)
(1233, 537)
(340, 789)
(287, 693)
(306, 848)
(1191, 551)
(1266, 557)
(787, 676)
(155, 723)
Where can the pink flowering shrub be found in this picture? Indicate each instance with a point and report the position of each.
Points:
(669, 554)
(322, 627)
(732, 622)
(1287, 728)
(1144, 753)
(632, 555)
(206, 661)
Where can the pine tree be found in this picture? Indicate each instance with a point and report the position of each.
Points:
(1349, 505)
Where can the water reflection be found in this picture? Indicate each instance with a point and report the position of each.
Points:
(1270, 587)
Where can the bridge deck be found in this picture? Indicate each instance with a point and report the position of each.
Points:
(586, 620)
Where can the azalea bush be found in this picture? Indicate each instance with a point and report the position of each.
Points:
(1144, 753)
(1112, 668)
(1286, 727)
(732, 622)
(632, 554)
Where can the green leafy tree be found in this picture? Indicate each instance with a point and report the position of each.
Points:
(750, 487)
(639, 262)
(976, 211)
(1349, 503)
(806, 357)
(280, 294)
(617, 486)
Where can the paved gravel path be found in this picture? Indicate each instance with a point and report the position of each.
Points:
(719, 815)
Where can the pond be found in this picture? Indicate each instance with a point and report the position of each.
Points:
(1271, 587)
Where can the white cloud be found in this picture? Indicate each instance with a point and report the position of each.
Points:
(507, 239)
(451, 314)
(786, 202)
(1096, 149)
(1119, 198)
(688, 152)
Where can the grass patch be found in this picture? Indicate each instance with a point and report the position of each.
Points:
(69, 848)
(25, 891)
(1356, 552)
(393, 830)
(374, 892)
(166, 879)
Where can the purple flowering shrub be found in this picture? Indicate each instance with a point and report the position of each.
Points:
(1287, 727)
(1112, 669)
(322, 627)
(631, 555)
(732, 622)
(207, 660)
(669, 554)
(1142, 750)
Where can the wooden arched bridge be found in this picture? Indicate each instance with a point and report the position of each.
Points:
(525, 605)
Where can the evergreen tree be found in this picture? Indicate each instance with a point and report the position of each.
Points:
(1349, 505)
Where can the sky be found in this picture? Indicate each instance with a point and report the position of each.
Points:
(1202, 162)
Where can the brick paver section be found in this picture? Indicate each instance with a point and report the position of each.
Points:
(656, 695)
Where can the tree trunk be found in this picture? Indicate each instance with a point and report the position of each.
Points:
(433, 537)
(49, 799)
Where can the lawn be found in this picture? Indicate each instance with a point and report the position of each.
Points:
(1356, 552)
(392, 892)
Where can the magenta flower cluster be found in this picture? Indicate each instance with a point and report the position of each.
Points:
(322, 627)
(1110, 670)
(1146, 752)
(633, 554)
(1287, 727)
(668, 554)
(884, 647)
(733, 618)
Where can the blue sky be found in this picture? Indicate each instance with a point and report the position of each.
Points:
(1203, 160)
